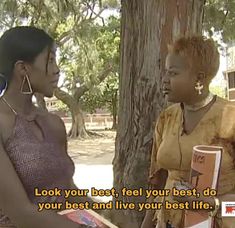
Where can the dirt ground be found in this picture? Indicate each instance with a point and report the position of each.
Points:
(93, 161)
(93, 151)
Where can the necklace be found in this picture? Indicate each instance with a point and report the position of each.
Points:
(5, 101)
(28, 117)
(200, 104)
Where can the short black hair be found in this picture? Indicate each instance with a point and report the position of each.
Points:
(21, 43)
(201, 53)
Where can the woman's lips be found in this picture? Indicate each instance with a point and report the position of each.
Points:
(54, 83)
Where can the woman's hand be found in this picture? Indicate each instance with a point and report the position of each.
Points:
(195, 196)
(181, 185)
(148, 220)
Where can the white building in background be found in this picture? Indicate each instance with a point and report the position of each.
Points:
(52, 104)
(229, 73)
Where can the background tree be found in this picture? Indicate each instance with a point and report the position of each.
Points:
(146, 29)
(98, 52)
(105, 96)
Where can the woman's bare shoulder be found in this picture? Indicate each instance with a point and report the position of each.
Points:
(7, 123)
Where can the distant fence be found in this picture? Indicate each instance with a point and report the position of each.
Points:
(93, 121)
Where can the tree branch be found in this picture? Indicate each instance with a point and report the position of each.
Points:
(80, 91)
(64, 37)
(64, 97)
(97, 15)
(37, 12)
(91, 9)
(84, 88)
(224, 20)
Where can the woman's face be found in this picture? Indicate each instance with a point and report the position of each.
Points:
(178, 81)
(44, 73)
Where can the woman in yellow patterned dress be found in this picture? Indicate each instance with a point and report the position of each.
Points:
(197, 117)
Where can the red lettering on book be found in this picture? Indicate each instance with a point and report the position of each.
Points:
(230, 209)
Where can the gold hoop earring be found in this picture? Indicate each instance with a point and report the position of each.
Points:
(199, 87)
(26, 79)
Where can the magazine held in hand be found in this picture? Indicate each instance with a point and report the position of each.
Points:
(205, 168)
(87, 217)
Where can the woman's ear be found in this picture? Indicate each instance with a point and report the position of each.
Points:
(201, 76)
(21, 68)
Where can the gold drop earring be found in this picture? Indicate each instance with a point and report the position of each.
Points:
(26, 80)
(199, 87)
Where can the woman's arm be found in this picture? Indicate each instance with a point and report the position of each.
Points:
(148, 219)
(60, 131)
(157, 181)
(158, 176)
(16, 205)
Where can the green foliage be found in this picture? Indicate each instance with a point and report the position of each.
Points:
(101, 96)
(111, 4)
(88, 42)
(220, 18)
(107, 44)
(61, 106)
(218, 90)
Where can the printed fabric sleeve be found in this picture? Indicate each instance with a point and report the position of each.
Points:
(155, 171)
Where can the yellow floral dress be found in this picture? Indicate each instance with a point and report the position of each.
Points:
(172, 151)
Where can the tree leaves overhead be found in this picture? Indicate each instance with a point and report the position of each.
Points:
(101, 96)
(220, 18)
(49, 14)
(107, 44)
(89, 42)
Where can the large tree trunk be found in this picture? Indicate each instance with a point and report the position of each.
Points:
(147, 28)
(78, 129)
(114, 110)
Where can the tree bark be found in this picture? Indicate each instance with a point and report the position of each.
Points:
(147, 27)
(114, 110)
(78, 129)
